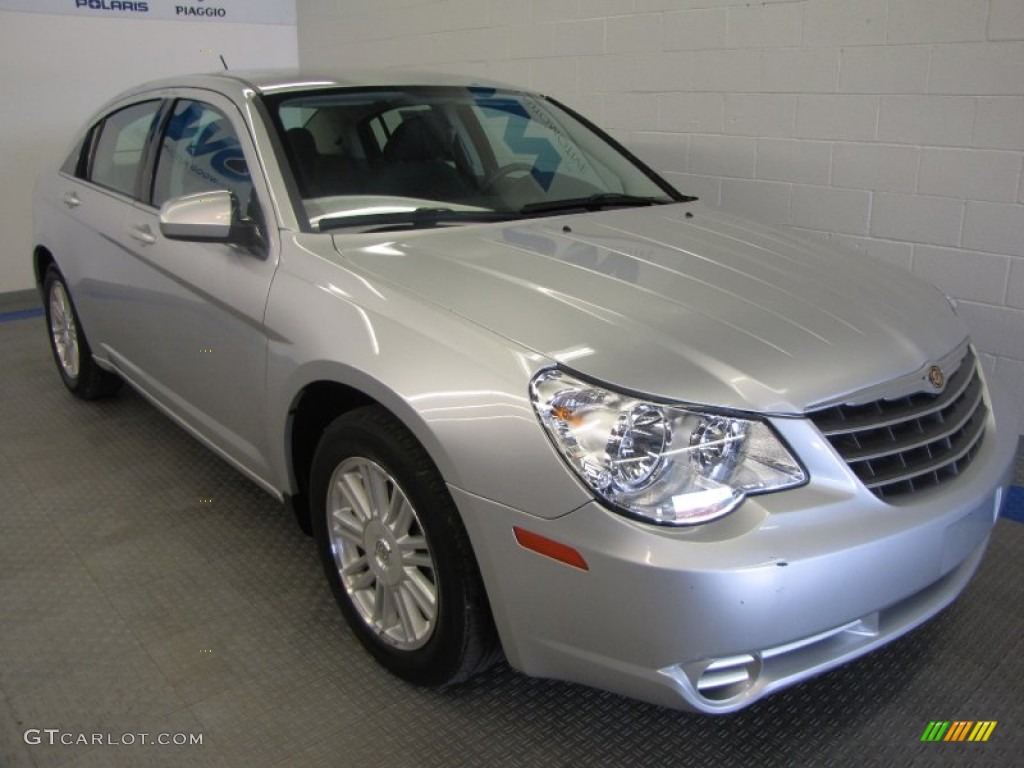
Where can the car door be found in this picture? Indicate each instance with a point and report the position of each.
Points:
(96, 189)
(200, 346)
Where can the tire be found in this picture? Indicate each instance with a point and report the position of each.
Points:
(71, 351)
(395, 552)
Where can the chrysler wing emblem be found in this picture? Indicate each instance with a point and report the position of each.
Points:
(936, 377)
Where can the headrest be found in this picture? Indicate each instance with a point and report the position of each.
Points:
(301, 142)
(418, 139)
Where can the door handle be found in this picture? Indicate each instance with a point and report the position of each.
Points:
(71, 200)
(143, 234)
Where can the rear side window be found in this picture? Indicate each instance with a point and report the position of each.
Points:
(77, 163)
(119, 144)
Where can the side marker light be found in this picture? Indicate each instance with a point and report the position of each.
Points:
(550, 548)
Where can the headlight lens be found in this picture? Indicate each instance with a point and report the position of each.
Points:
(661, 463)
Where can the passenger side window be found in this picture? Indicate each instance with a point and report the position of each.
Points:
(119, 145)
(200, 152)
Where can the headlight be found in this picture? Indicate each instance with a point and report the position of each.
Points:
(661, 463)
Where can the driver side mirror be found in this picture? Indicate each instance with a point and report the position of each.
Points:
(208, 217)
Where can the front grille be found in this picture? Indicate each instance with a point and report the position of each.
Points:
(909, 443)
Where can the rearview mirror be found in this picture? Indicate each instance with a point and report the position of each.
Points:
(205, 217)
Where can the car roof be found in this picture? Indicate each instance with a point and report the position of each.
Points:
(233, 82)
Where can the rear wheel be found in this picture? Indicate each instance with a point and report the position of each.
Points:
(395, 552)
(71, 351)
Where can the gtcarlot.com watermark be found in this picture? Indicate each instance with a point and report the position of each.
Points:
(53, 736)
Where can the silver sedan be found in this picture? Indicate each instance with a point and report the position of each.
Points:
(527, 396)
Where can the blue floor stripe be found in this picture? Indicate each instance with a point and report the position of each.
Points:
(21, 314)
(1013, 507)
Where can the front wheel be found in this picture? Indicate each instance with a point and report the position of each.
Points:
(79, 372)
(395, 552)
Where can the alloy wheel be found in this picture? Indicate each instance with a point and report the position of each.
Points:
(382, 555)
(63, 329)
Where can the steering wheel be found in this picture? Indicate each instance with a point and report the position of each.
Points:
(499, 174)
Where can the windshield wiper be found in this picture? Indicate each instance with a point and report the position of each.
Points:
(420, 218)
(591, 203)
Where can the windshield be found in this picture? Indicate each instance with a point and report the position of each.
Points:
(365, 156)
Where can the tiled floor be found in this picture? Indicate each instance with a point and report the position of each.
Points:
(129, 606)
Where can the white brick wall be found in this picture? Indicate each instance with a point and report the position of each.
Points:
(760, 114)
(762, 200)
(969, 174)
(1006, 20)
(935, 120)
(836, 117)
(893, 128)
(936, 21)
(799, 70)
(723, 155)
(999, 122)
(842, 22)
(916, 218)
(973, 276)
(881, 69)
(885, 167)
(831, 209)
(804, 162)
(692, 112)
(695, 30)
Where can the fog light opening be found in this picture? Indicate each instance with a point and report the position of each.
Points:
(729, 677)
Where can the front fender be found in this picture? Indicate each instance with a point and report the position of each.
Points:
(461, 390)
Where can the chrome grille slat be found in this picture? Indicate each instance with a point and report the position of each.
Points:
(964, 409)
(909, 443)
(964, 445)
(919, 405)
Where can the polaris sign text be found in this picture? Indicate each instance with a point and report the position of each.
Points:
(224, 11)
(113, 5)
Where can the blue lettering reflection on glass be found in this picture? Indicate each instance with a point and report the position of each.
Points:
(517, 120)
(228, 158)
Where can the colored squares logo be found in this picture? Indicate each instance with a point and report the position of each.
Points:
(958, 730)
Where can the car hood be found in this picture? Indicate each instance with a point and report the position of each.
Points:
(680, 302)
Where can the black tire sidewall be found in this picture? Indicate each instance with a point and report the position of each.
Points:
(440, 659)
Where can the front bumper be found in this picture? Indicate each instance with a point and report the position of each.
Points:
(714, 617)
